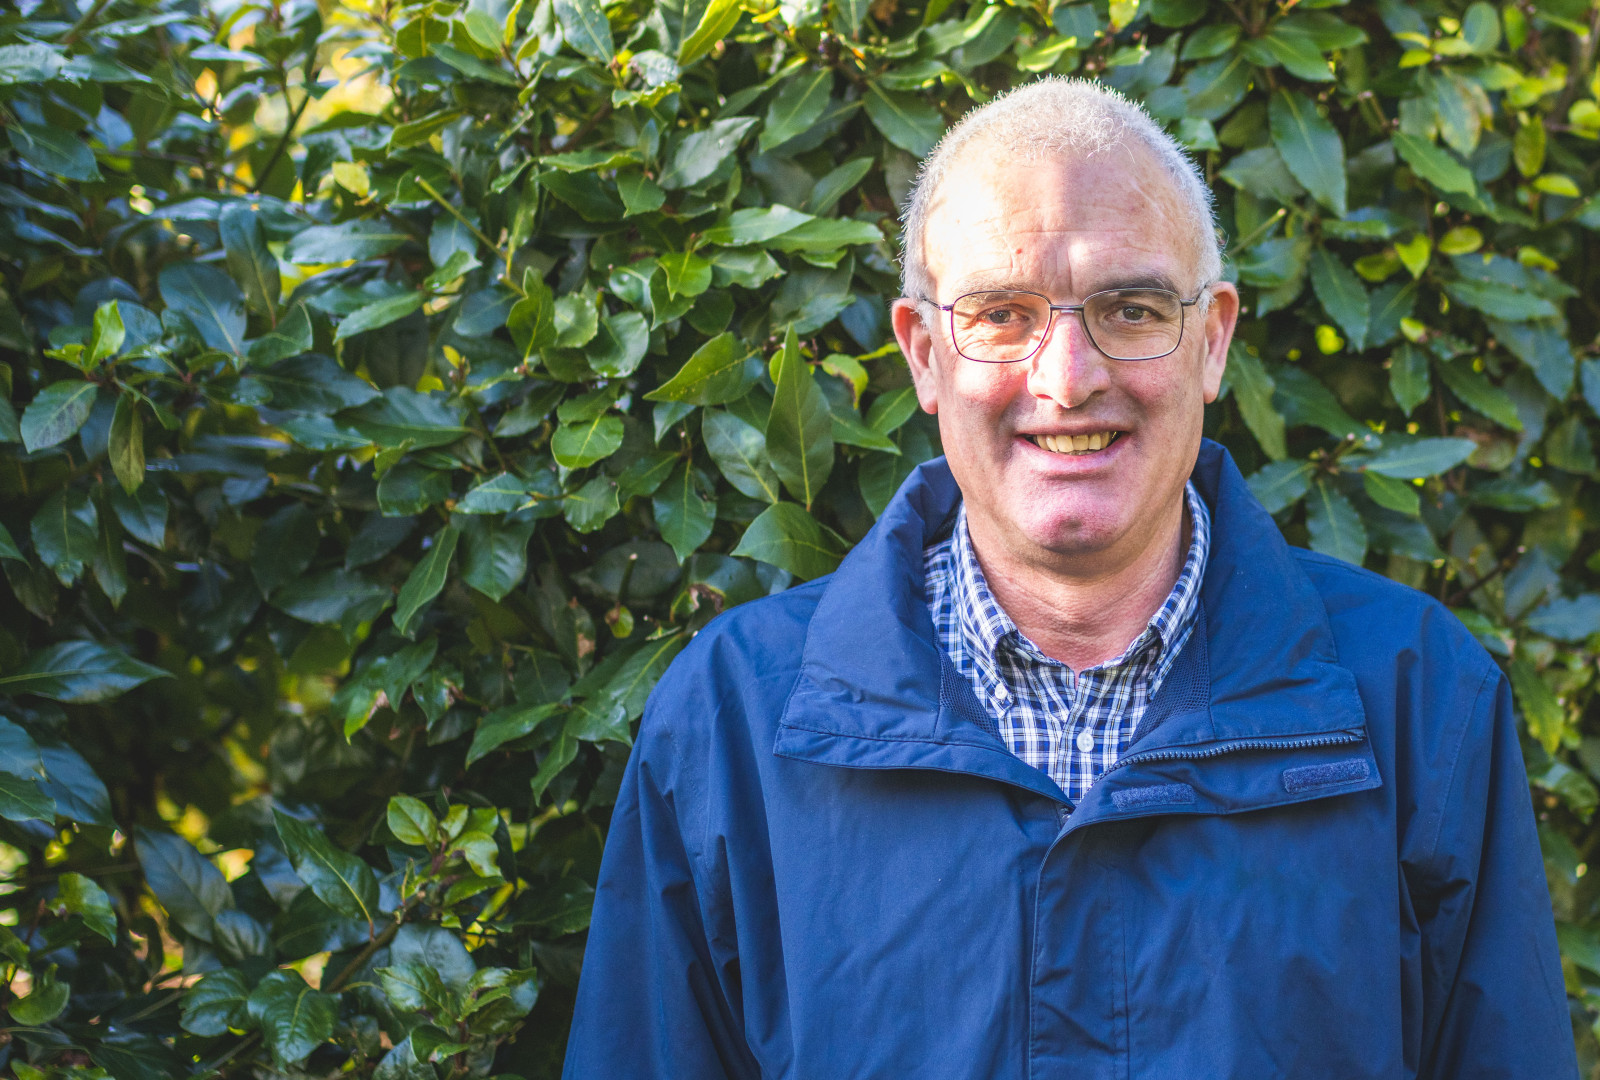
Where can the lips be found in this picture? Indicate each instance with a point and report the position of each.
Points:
(1075, 444)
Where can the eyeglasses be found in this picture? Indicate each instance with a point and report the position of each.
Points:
(1004, 326)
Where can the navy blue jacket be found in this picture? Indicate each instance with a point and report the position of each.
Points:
(1317, 859)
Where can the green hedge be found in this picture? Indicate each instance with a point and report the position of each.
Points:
(389, 391)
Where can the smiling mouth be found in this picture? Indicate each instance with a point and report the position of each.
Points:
(1075, 444)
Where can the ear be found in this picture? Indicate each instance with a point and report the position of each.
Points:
(1220, 320)
(916, 342)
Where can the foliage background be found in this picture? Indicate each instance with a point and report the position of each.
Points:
(389, 389)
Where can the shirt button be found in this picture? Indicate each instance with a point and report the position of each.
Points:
(1085, 741)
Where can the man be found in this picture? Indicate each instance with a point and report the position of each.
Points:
(1074, 769)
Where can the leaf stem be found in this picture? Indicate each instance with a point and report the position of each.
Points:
(459, 216)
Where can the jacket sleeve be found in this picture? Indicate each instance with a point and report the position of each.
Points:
(1494, 1002)
(649, 1002)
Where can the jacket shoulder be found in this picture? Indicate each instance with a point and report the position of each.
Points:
(748, 656)
(1376, 618)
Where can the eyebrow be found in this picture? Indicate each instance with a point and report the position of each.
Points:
(1133, 279)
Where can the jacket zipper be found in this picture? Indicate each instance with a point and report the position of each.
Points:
(1064, 814)
(1240, 744)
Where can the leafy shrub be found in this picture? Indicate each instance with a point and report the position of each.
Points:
(390, 390)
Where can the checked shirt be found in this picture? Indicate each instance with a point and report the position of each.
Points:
(1072, 725)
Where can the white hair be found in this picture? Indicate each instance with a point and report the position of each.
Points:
(1067, 116)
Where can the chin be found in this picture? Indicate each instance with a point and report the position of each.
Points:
(1071, 531)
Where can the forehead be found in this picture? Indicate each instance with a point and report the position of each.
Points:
(1065, 224)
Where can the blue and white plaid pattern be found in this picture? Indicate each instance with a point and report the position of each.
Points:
(1042, 707)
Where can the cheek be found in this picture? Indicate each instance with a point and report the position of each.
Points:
(982, 388)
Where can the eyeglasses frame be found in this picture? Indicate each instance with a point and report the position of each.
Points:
(1069, 309)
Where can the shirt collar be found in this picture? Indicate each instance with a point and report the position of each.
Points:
(986, 628)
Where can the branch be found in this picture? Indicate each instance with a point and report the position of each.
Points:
(283, 143)
(83, 24)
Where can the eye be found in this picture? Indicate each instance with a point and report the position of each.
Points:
(998, 317)
(1133, 314)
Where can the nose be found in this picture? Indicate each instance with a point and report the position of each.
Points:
(1067, 370)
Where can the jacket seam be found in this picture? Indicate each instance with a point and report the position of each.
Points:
(791, 725)
(1455, 764)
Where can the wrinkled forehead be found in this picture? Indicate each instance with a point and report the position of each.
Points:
(1046, 219)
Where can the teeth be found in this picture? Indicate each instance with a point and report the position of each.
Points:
(1076, 444)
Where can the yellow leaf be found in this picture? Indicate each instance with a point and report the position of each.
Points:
(1557, 184)
(1414, 253)
(1460, 240)
(1528, 255)
(352, 176)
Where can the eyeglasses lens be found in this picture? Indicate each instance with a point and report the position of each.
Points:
(1125, 324)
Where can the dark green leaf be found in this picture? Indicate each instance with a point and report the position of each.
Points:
(791, 539)
(1262, 173)
(23, 799)
(65, 532)
(592, 505)
(797, 106)
(576, 446)
(1479, 394)
(360, 239)
(44, 1002)
(586, 29)
(699, 154)
(340, 879)
(80, 896)
(721, 370)
(79, 672)
(210, 299)
(1500, 302)
(906, 120)
(380, 313)
(249, 261)
(56, 413)
(1567, 619)
(56, 151)
(402, 414)
(1311, 148)
(683, 514)
(1421, 458)
(1409, 380)
(799, 432)
(19, 754)
(216, 1003)
(294, 1018)
(425, 581)
(1342, 295)
(188, 886)
(290, 338)
(1302, 399)
(496, 557)
(1281, 484)
(503, 725)
(313, 383)
(1392, 494)
(1544, 348)
(78, 793)
(740, 451)
(1253, 388)
(284, 547)
(1335, 526)
(1438, 167)
(125, 445)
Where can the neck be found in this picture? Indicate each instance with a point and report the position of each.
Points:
(1083, 616)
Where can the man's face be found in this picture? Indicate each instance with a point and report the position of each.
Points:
(1065, 228)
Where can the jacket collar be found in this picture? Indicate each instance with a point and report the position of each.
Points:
(876, 690)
